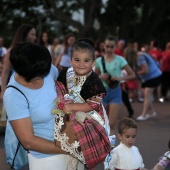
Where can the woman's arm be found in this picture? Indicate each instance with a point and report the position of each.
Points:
(143, 69)
(58, 58)
(52, 54)
(158, 167)
(5, 72)
(103, 77)
(130, 74)
(24, 131)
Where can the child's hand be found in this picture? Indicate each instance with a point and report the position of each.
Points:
(68, 107)
(165, 159)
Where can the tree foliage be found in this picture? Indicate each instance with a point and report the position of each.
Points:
(133, 20)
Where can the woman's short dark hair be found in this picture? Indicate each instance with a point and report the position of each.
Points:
(30, 60)
(84, 44)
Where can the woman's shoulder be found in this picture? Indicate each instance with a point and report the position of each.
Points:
(53, 72)
(98, 61)
(99, 58)
(120, 60)
(119, 57)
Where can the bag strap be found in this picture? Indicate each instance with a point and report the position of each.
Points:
(18, 146)
(20, 92)
(19, 143)
(104, 66)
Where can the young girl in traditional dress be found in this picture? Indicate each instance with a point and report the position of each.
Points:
(84, 93)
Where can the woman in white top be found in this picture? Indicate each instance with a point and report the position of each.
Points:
(63, 60)
(46, 42)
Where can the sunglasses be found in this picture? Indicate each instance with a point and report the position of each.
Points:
(107, 46)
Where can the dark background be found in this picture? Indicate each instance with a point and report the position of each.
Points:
(132, 20)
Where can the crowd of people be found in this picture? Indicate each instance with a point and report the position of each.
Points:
(112, 71)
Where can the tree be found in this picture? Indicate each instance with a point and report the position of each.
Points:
(64, 14)
(139, 20)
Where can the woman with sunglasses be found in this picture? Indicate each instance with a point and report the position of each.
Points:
(114, 64)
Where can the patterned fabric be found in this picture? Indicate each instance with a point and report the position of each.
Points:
(92, 85)
(122, 169)
(93, 140)
(91, 136)
(61, 90)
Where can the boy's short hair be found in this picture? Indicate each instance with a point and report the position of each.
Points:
(30, 60)
(126, 123)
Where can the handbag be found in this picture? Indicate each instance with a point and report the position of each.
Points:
(110, 83)
(16, 154)
(87, 141)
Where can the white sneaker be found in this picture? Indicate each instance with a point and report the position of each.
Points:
(161, 100)
(140, 118)
(151, 115)
(130, 100)
(141, 100)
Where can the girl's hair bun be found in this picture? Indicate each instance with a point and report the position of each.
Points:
(86, 40)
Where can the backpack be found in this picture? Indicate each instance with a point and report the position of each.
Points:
(16, 154)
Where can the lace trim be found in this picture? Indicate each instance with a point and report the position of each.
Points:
(72, 163)
(63, 139)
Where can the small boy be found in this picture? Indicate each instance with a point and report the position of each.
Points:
(125, 155)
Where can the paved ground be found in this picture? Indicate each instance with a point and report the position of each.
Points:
(152, 138)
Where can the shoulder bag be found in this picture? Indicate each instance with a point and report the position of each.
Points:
(110, 83)
(16, 154)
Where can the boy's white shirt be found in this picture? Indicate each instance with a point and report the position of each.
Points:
(126, 158)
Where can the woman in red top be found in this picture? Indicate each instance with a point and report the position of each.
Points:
(165, 66)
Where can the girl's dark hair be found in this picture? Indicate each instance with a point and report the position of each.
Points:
(84, 44)
(110, 38)
(130, 55)
(65, 43)
(21, 34)
(30, 60)
(169, 144)
(126, 123)
(41, 39)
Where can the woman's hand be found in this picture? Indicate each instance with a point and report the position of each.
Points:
(104, 76)
(24, 131)
(113, 78)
